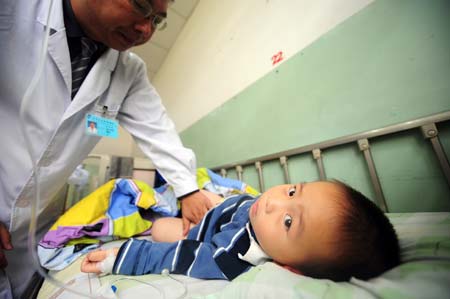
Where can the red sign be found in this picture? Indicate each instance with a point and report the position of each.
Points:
(277, 58)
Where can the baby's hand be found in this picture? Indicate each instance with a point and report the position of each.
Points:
(99, 261)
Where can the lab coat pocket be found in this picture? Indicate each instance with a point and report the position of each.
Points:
(107, 111)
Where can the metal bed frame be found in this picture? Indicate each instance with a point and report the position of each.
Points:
(427, 125)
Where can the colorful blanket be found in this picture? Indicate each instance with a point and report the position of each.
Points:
(121, 208)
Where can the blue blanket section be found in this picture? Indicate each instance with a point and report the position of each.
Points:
(225, 182)
(122, 192)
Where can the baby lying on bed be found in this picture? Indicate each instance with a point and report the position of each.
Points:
(322, 229)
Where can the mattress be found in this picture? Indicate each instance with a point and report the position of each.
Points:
(424, 273)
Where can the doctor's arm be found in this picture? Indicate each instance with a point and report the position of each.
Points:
(145, 118)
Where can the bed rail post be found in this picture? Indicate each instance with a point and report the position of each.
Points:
(364, 146)
(430, 132)
(223, 172)
(258, 167)
(317, 155)
(284, 164)
(239, 172)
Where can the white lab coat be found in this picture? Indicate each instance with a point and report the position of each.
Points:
(56, 124)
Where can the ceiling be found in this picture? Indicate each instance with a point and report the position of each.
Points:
(154, 52)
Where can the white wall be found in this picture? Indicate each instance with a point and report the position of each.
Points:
(226, 46)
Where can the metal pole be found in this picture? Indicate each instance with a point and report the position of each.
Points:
(239, 172)
(430, 132)
(284, 164)
(365, 148)
(317, 155)
(223, 172)
(258, 166)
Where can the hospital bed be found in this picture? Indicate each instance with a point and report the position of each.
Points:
(424, 236)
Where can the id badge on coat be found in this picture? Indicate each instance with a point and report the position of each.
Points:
(96, 125)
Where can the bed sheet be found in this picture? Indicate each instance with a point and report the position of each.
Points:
(127, 287)
(424, 273)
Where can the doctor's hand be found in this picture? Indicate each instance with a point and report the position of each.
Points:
(5, 244)
(193, 208)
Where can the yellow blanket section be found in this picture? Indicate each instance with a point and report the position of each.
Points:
(93, 208)
(90, 209)
(147, 196)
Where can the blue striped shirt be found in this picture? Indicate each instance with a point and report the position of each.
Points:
(211, 249)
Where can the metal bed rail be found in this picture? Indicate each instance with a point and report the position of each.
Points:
(426, 124)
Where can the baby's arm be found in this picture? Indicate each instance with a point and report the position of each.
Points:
(99, 261)
(168, 229)
(140, 256)
(186, 257)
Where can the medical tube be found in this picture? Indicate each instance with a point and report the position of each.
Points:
(35, 171)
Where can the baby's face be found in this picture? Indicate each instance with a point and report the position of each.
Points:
(295, 223)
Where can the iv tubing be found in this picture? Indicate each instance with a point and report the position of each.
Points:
(35, 203)
(35, 173)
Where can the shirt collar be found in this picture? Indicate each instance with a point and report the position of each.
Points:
(254, 255)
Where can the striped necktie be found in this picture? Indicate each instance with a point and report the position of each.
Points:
(80, 64)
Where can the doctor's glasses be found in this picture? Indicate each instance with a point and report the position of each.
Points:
(144, 7)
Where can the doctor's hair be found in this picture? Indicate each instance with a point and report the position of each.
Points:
(366, 244)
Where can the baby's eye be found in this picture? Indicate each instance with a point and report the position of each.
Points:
(291, 191)
(287, 221)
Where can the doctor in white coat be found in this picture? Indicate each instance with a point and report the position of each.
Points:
(116, 87)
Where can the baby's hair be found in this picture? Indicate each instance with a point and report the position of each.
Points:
(366, 245)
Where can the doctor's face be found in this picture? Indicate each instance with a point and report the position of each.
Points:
(298, 223)
(118, 24)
